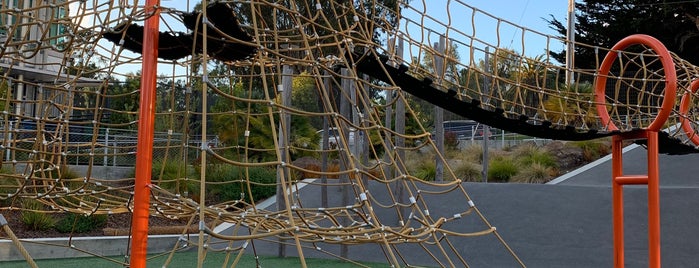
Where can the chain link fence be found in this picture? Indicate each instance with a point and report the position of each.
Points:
(82, 145)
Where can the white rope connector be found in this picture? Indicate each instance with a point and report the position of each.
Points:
(412, 200)
(457, 216)
(427, 212)
(471, 204)
(362, 197)
(318, 6)
(247, 133)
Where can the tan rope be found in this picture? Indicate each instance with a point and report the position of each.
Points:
(316, 39)
(16, 242)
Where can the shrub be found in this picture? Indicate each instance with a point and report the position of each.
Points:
(8, 186)
(593, 149)
(534, 173)
(451, 142)
(473, 153)
(170, 176)
(36, 220)
(229, 182)
(528, 154)
(427, 170)
(468, 171)
(501, 169)
(76, 223)
(67, 173)
(263, 183)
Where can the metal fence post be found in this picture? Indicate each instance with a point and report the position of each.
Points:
(105, 160)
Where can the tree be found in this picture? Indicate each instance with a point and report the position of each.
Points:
(604, 22)
(384, 13)
(121, 100)
(304, 96)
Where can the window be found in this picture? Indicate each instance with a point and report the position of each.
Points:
(57, 28)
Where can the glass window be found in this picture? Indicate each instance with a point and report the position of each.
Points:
(58, 28)
(3, 17)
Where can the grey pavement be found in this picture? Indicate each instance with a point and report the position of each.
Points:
(563, 225)
(675, 170)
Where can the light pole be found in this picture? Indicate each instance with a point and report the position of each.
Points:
(570, 42)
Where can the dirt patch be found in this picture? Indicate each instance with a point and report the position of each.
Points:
(117, 224)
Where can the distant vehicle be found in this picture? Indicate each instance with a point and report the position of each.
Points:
(334, 138)
(464, 129)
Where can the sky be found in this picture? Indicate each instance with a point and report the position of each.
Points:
(482, 23)
(526, 13)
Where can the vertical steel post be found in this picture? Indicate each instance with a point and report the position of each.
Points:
(146, 125)
(653, 201)
(651, 180)
(617, 202)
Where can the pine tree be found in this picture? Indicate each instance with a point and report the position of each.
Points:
(604, 22)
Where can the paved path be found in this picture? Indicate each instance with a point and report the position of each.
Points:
(568, 224)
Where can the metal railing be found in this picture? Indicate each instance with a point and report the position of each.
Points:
(82, 145)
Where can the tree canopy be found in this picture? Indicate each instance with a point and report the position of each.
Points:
(604, 22)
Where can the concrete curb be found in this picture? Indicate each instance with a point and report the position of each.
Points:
(590, 165)
(65, 247)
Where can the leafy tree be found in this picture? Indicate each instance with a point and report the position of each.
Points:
(304, 96)
(518, 74)
(605, 22)
(172, 106)
(122, 101)
(4, 96)
(336, 12)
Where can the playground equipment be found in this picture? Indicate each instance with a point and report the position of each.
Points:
(229, 69)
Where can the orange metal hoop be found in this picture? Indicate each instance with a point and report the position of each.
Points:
(670, 79)
(684, 108)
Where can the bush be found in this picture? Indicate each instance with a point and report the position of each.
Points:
(427, 170)
(501, 169)
(36, 220)
(229, 182)
(473, 153)
(8, 186)
(528, 154)
(76, 223)
(451, 142)
(170, 176)
(421, 165)
(534, 173)
(593, 149)
(469, 171)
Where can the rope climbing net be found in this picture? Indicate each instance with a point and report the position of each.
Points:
(244, 85)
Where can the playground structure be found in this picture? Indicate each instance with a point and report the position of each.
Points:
(67, 67)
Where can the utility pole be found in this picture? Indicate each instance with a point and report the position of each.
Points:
(570, 43)
(486, 129)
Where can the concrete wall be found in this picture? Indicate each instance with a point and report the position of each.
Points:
(98, 172)
(105, 172)
(54, 248)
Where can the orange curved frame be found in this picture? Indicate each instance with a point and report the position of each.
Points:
(670, 80)
(650, 133)
(684, 108)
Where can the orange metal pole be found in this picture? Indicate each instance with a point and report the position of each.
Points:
(144, 150)
(617, 202)
(653, 201)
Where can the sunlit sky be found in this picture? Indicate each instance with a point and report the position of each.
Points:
(530, 14)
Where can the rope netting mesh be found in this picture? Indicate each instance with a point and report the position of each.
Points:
(70, 97)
